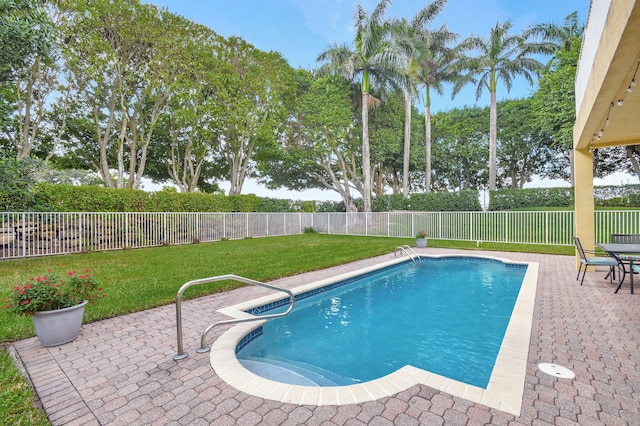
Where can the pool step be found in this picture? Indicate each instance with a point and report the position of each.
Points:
(287, 372)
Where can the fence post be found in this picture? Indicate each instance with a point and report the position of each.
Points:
(24, 241)
(366, 223)
(224, 225)
(547, 227)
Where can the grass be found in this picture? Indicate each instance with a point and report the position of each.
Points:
(135, 280)
(17, 401)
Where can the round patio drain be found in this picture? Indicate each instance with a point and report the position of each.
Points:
(556, 370)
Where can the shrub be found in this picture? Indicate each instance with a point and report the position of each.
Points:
(50, 291)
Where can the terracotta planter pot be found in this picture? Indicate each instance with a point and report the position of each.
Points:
(60, 326)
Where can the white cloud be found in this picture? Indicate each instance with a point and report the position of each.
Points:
(331, 19)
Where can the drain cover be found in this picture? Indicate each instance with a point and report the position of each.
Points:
(556, 370)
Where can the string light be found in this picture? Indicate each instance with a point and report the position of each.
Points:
(617, 104)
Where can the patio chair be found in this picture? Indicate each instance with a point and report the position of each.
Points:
(611, 262)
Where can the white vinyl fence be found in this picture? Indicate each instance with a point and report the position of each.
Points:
(41, 234)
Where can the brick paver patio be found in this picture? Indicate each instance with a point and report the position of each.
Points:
(120, 371)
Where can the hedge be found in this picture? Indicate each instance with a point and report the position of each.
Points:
(617, 196)
(509, 198)
(604, 196)
(69, 198)
(432, 201)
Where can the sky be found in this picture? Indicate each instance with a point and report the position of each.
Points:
(302, 29)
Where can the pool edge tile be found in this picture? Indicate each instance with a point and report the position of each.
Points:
(511, 360)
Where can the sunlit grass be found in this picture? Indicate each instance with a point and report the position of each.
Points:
(136, 280)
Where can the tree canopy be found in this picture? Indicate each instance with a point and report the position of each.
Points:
(127, 90)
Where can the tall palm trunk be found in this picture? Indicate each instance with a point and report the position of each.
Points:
(366, 155)
(493, 136)
(427, 146)
(407, 143)
(427, 139)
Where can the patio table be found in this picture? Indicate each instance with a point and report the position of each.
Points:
(618, 249)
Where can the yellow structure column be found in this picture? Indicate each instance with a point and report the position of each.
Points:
(584, 201)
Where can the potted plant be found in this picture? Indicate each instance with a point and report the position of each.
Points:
(56, 303)
(421, 239)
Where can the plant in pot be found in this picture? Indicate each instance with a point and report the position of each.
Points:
(56, 303)
(421, 239)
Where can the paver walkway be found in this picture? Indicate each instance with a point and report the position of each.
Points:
(120, 371)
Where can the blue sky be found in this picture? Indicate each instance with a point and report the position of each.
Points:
(301, 29)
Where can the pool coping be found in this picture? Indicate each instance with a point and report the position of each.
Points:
(504, 391)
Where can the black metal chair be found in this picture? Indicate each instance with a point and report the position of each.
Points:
(611, 262)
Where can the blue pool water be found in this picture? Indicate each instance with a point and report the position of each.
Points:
(447, 316)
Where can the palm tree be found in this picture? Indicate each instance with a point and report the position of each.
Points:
(565, 37)
(374, 59)
(501, 57)
(436, 68)
(562, 35)
(414, 38)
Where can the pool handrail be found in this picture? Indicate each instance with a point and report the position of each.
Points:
(408, 251)
(181, 354)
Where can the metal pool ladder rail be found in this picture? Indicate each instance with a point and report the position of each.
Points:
(181, 354)
(408, 251)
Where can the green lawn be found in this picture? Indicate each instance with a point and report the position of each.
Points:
(136, 280)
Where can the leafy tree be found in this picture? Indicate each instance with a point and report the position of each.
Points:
(387, 139)
(123, 58)
(555, 110)
(460, 142)
(187, 137)
(254, 97)
(16, 181)
(25, 31)
(554, 101)
(501, 57)
(524, 148)
(319, 148)
(26, 40)
(374, 59)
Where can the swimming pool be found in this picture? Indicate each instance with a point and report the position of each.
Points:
(446, 315)
(505, 384)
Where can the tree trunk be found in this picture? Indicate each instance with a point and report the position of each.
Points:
(493, 136)
(407, 144)
(632, 159)
(366, 155)
(427, 146)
